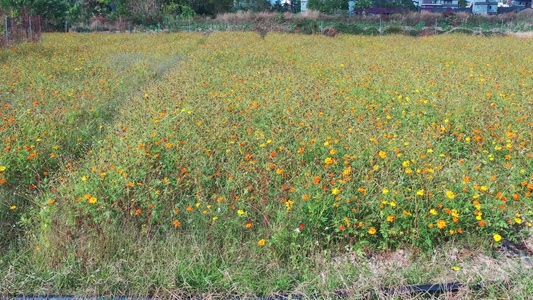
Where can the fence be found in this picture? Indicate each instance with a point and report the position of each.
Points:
(24, 28)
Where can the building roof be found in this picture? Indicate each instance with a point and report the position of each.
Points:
(504, 10)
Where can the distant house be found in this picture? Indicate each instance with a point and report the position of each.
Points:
(439, 6)
(525, 3)
(485, 8)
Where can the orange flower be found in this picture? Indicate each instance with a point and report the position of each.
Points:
(342, 227)
(248, 225)
(261, 242)
(190, 208)
(316, 180)
(516, 196)
(372, 231)
(382, 154)
(176, 223)
(441, 224)
(482, 223)
(52, 201)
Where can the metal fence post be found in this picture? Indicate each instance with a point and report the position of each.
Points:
(31, 31)
(380, 26)
(7, 33)
(435, 26)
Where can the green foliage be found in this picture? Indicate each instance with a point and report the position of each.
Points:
(307, 26)
(363, 4)
(349, 28)
(50, 9)
(328, 6)
(393, 30)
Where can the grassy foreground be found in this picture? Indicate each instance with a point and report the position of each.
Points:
(178, 164)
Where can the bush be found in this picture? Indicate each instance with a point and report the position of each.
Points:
(307, 26)
(329, 31)
(350, 28)
(393, 30)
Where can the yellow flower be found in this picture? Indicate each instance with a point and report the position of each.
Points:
(372, 230)
(261, 242)
(433, 212)
(497, 237)
(456, 268)
(289, 204)
(329, 161)
(92, 200)
(240, 211)
(450, 194)
(385, 191)
(335, 191)
(406, 163)
(382, 154)
(13, 207)
(518, 220)
(420, 193)
(84, 178)
(347, 171)
(2, 168)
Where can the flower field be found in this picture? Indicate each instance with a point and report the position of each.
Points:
(276, 147)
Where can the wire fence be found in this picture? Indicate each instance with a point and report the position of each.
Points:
(21, 29)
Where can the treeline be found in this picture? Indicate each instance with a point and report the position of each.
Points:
(145, 12)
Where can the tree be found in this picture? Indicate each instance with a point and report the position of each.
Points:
(462, 3)
(253, 5)
(363, 4)
(328, 6)
(49, 9)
